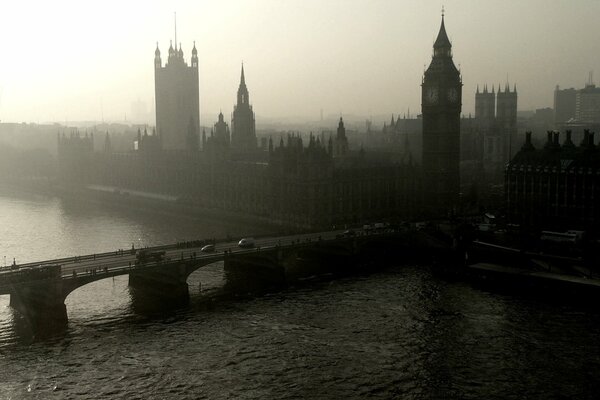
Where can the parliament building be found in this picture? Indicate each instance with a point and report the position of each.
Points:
(299, 181)
(555, 187)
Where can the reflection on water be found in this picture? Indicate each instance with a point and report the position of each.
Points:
(396, 333)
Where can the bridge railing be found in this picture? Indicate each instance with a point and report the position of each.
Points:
(184, 246)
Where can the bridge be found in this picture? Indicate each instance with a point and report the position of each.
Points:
(38, 290)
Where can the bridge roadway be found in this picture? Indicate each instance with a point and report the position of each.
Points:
(122, 262)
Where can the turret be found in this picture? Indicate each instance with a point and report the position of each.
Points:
(194, 56)
(157, 60)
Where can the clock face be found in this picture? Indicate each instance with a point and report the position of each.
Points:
(452, 95)
(431, 95)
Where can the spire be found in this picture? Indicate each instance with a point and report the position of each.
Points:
(442, 42)
(171, 50)
(194, 51)
(477, 88)
(242, 95)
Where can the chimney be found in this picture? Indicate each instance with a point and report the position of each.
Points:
(527, 145)
(568, 142)
(556, 143)
(586, 138)
(549, 140)
(591, 139)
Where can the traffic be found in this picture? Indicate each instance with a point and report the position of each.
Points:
(120, 261)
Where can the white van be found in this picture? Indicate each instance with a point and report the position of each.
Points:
(246, 242)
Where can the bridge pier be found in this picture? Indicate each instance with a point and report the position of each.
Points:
(160, 284)
(255, 272)
(42, 304)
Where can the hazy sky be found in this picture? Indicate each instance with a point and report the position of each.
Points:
(79, 60)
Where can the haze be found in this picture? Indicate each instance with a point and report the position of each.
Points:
(88, 61)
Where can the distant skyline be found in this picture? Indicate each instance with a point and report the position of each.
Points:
(75, 61)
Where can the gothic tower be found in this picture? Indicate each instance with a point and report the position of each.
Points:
(177, 100)
(341, 141)
(441, 104)
(243, 126)
(485, 108)
(506, 120)
(221, 131)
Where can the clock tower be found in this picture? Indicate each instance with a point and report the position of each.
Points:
(441, 105)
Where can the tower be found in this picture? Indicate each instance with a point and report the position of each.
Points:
(341, 141)
(485, 108)
(243, 125)
(441, 104)
(506, 121)
(177, 100)
(221, 130)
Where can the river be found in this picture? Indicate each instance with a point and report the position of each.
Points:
(399, 332)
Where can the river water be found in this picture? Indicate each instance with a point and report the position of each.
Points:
(399, 332)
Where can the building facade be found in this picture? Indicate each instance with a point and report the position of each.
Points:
(587, 104)
(441, 98)
(564, 104)
(555, 187)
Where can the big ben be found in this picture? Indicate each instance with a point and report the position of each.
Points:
(441, 105)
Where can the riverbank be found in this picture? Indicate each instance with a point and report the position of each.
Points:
(130, 201)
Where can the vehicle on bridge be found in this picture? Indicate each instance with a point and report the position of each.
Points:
(246, 243)
(209, 248)
(145, 255)
(28, 274)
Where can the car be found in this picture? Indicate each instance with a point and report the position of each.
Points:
(246, 243)
(209, 248)
(349, 232)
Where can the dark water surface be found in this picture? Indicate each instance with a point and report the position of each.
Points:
(401, 332)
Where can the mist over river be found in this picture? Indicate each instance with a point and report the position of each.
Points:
(398, 332)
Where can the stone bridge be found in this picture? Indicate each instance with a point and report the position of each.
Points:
(39, 290)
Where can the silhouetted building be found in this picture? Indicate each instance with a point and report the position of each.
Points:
(556, 187)
(341, 141)
(177, 100)
(222, 131)
(587, 104)
(564, 104)
(243, 125)
(310, 187)
(217, 146)
(74, 153)
(577, 107)
(441, 105)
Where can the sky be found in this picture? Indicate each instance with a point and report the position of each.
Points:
(66, 61)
